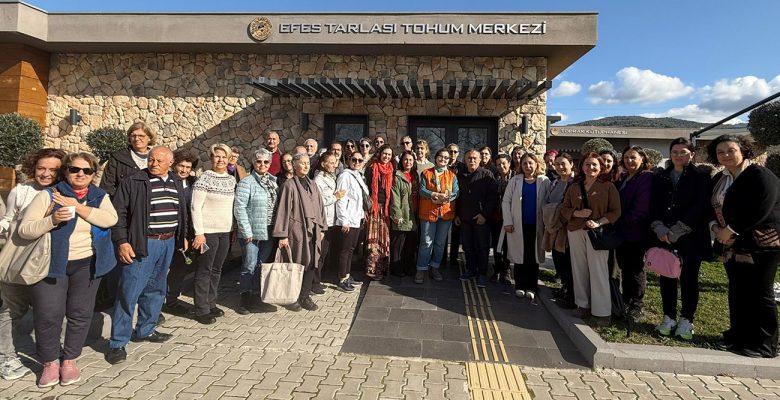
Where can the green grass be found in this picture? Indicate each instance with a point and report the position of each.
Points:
(712, 317)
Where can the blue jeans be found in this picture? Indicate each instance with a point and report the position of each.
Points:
(144, 283)
(432, 234)
(254, 253)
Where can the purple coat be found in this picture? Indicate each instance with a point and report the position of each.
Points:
(635, 205)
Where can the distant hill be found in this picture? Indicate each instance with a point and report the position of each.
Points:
(642, 122)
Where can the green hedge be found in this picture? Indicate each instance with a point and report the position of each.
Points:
(19, 136)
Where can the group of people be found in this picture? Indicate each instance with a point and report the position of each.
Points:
(150, 217)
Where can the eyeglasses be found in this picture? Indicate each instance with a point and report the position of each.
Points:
(356, 160)
(76, 170)
(406, 142)
(454, 151)
(266, 162)
(350, 145)
(137, 136)
(443, 157)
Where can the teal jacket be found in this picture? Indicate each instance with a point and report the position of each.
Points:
(251, 208)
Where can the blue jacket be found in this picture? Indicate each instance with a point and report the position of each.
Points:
(251, 208)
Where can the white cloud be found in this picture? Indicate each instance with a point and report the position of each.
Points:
(636, 85)
(566, 88)
(693, 112)
(730, 96)
(563, 116)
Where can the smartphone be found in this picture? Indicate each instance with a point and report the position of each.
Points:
(204, 248)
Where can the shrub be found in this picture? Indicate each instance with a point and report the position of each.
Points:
(654, 156)
(104, 141)
(773, 163)
(19, 136)
(596, 145)
(764, 124)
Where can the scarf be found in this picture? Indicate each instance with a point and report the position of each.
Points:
(720, 190)
(231, 168)
(381, 173)
(269, 184)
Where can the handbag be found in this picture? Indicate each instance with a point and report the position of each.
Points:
(23, 261)
(605, 237)
(663, 262)
(281, 281)
(366, 197)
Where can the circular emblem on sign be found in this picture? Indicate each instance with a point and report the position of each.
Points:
(260, 28)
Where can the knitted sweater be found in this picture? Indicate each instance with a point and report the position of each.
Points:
(212, 203)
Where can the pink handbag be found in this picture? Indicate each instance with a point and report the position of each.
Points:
(663, 262)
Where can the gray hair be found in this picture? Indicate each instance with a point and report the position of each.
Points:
(262, 153)
(297, 158)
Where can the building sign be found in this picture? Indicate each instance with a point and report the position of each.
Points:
(417, 29)
(588, 131)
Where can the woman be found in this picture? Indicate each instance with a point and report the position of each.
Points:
(254, 211)
(403, 211)
(589, 266)
(234, 168)
(125, 162)
(287, 170)
(487, 159)
(678, 209)
(81, 253)
(635, 186)
(325, 178)
(438, 190)
(212, 218)
(555, 239)
(501, 262)
(350, 211)
(522, 211)
(364, 147)
(348, 149)
(44, 167)
(379, 178)
(422, 151)
(746, 202)
(610, 163)
(516, 155)
(300, 225)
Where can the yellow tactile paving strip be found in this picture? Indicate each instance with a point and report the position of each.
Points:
(490, 375)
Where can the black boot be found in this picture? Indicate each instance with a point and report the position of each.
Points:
(259, 307)
(244, 304)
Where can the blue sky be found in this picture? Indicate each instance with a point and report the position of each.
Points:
(698, 60)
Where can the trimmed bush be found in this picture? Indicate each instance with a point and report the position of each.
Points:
(19, 136)
(764, 124)
(773, 163)
(654, 156)
(105, 141)
(596, 145)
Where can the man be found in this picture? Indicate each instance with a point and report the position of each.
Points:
(272, 141)
(299, 150)
(407, 144)
(335, 148)
(152, 216)
(549, 160)
(184, 162)
(478, 199)
(311, 150)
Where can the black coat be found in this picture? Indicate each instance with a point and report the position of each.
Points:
(131, 202)
(118, 167)
(477, 194)
(752, 202)
(689, 203)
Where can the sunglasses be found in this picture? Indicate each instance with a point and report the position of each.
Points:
(454, 151)
(357, 160)
(76, 170)
(266, 162)
(365, 145)
(350, 145)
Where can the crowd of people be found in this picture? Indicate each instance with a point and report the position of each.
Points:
(151, 221)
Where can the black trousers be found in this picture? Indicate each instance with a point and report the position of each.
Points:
(689, 288)
(326, 254)
(71, 297)
(752, 308)
(500, 262)
(176, 275)
(476, 245)
(345, 246)
(398, 263)
(630, 259)
(562, 261)
(209, 272)
(527, 273)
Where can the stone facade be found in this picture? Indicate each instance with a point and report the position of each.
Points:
(195, 100)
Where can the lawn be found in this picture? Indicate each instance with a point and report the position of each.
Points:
(712, 316)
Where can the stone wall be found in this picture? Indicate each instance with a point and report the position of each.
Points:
(196, 100)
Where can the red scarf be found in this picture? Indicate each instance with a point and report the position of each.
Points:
(385, 173)
(81, 193)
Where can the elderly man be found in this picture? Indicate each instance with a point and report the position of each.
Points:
(314, 158)
(152, 224)
(336, 149)
(272, 142)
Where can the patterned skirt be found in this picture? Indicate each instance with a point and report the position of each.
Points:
(378, 245)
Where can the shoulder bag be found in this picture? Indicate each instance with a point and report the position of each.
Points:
(605, 237)
(22, 261)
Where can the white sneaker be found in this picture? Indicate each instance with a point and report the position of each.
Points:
(666, 326)
(520, 293)
(684, 329)
(13, 369)
(531, 295)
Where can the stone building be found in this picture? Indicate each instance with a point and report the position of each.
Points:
(197, 79)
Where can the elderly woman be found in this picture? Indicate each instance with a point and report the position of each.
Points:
(555, 239)
(325, 178)
(254, 212)
(422, 151)
(212, 219)
(438, 191)
(403, 210)
(589, 266)
(350, 211)
(635, 186)
(300, 225)
(234, 168)
(126, 161)
(679, 213)
(81, 253)
(379, 178)
(521, 208)
(44, 167)
(746, 202)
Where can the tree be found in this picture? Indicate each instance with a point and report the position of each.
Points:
(764, 124)
(19, 136)
(105, 141)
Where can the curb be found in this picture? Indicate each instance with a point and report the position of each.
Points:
(653, 358)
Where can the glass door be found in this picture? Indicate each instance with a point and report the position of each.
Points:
(469, 133)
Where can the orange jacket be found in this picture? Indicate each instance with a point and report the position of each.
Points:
(429, 211)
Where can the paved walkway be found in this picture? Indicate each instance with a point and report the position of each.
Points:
(289, 355)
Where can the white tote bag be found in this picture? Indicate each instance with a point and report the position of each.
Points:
(281, 281)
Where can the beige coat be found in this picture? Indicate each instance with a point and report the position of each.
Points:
(512, 210)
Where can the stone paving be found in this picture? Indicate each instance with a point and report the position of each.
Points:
(287, 355)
